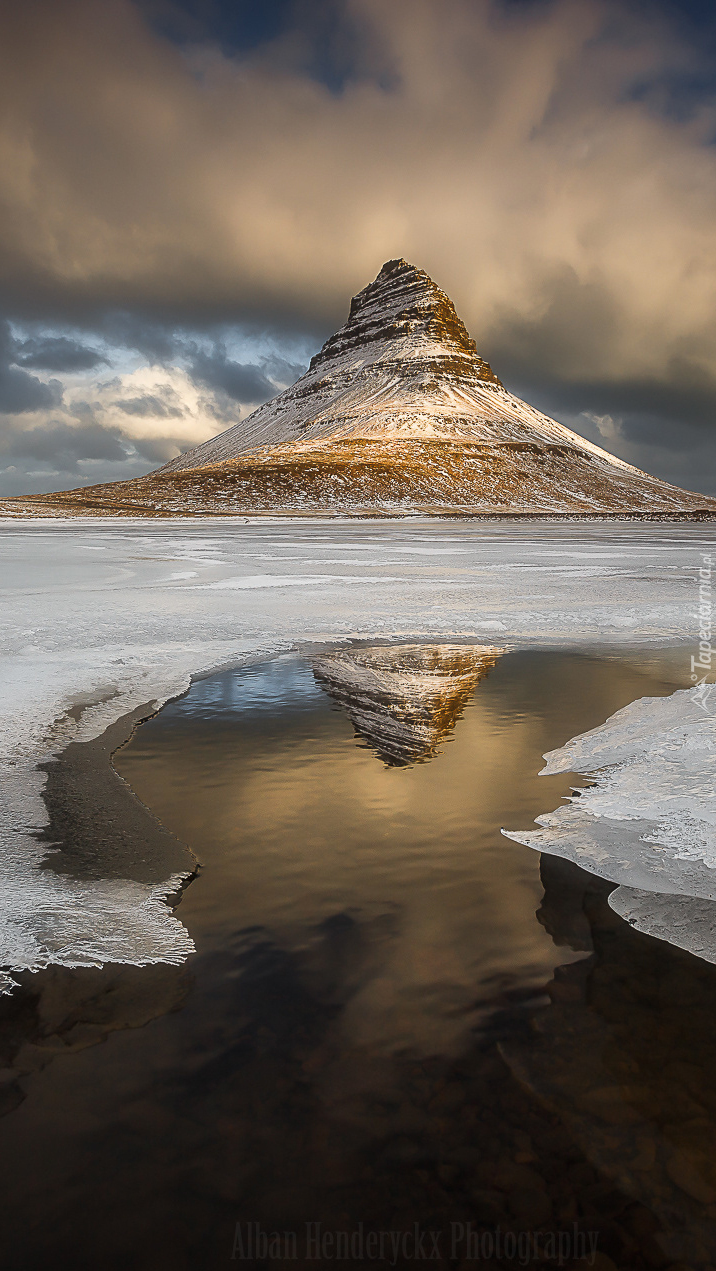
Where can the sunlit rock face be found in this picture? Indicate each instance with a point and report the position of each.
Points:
(402, 365)
(405, 699)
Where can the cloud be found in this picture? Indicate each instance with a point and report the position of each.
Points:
(20, 392)
(150, 405)
(156, 450)
(607, 427)
(153, 404)
(683, 454)
(62, 444)
(243, 383)
(283, 371)
(105, 430)
(503, 147)
(57, 353)
(58, 453)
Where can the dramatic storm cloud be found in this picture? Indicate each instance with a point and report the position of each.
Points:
(57, 353)
(196, 200)
(20, 392)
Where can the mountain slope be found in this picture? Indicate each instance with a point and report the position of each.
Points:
(396, 412)
(402, 365)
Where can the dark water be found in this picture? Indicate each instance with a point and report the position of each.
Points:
(395, 1015)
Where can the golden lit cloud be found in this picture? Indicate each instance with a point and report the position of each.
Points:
(506, 155)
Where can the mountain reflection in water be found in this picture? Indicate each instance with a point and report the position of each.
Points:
(378, 1027)
(403, 700)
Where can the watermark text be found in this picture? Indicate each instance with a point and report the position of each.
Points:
(462, 1241)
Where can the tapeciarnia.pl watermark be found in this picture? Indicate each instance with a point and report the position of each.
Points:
(316, 1243)
(701, 665)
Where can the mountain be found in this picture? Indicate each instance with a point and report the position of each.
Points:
(403, 700)
(403, 366)
(397, 412)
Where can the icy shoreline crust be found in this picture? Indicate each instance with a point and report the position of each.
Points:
(51, 918)
(649, 821)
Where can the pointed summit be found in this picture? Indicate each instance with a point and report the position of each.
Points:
(403, 364)
(404, 304)
(397, 412)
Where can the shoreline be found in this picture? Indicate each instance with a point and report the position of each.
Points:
(38, 511)
(98, 828)
(100, 832)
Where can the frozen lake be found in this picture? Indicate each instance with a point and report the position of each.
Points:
(132, 608)
(100, 619)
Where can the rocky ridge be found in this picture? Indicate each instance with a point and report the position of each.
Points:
(396, 413)
(402, 365)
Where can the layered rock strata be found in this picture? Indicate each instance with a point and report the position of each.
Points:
(403, 700)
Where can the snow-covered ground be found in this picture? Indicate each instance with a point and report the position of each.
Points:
(115, 614)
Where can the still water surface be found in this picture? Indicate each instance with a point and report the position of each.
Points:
(395, 1015)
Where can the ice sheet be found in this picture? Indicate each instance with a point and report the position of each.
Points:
(113, 614)
(649, 820)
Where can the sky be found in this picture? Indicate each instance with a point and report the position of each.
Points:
(192, 190)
